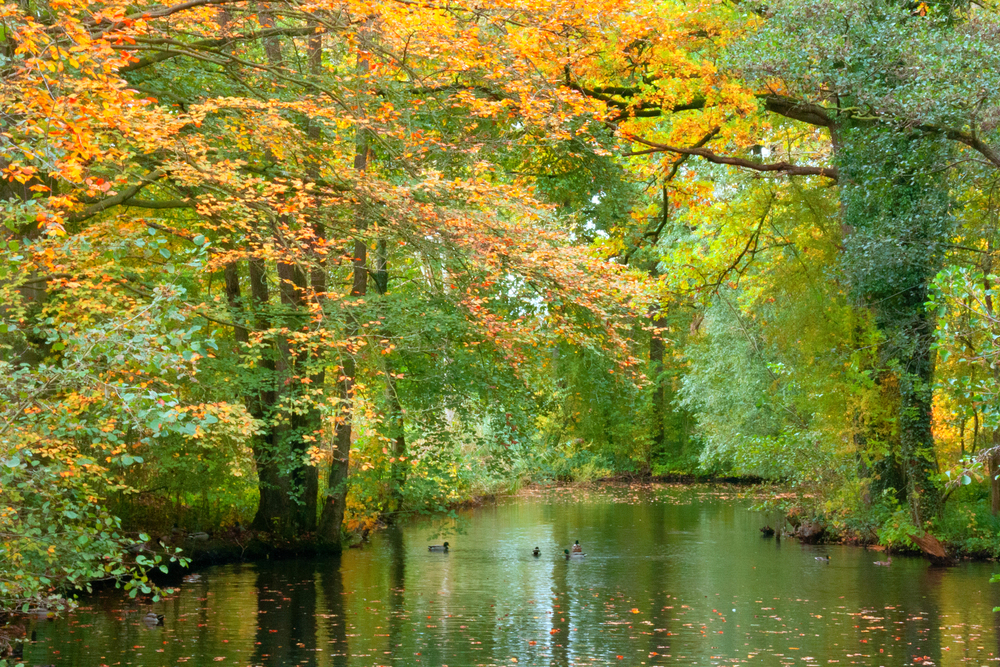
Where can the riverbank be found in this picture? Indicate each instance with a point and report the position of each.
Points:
(251, 546)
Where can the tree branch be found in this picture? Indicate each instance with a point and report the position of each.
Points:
(813, 114)
(781, 167)
(160, 12)
(642, 110)
(806, 112)
(976, 144)
(173, 48)
(653, 235)
(119, 198)
(164, 204)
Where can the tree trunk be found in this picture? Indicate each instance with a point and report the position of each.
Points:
(336, 485)
(272, 45)
(898, 212)
(273, 509)
(657, 349)
(301, 426)
(396, 421)
(993, 461)
(916, 440)
(994, 471)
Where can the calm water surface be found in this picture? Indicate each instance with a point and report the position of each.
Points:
(672, 576)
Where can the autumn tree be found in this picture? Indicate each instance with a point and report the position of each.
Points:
(884, 98)
(247, 159)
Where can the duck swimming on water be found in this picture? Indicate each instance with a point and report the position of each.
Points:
(153, 618)
(577, 549)
(438, 547)
(537, 552)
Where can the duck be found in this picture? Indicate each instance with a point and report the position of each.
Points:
(152, 618)
(577, 549)
(438, 547)
(537, 552)
(578, 554)
(767, 531)
(825, 559)
(884, 563)
(200, 536)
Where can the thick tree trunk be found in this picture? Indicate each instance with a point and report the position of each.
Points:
(916, 440)
(281, 478)
(311, 420)
(273, 511)
(896, 213)
(301, 426)
(271, 485)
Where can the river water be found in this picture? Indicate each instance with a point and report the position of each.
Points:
(671, 576)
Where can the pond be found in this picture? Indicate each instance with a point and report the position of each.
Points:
(672, 575)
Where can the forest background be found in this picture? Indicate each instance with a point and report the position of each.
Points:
(299, 268)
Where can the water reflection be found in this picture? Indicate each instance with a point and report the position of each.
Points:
(397, 591)
(671, 576)
(286, 613)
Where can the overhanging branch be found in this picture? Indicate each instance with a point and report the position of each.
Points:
(172, 48)
(976, 144)
(785, 168)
